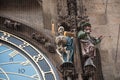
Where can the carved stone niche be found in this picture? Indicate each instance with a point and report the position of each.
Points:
(67, 12)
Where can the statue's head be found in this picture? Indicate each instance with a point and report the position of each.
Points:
(85, 26)
(61, 30)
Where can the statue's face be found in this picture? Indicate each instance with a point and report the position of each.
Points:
(61, 30)
(87, 29)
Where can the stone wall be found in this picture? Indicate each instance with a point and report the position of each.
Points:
(105, 20)
(49, 13)
(28, 12)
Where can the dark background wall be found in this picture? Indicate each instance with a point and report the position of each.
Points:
(49, 13)
(28, 12)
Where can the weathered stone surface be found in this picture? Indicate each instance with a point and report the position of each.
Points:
(28, 12)
(107, 24)
(104, 17)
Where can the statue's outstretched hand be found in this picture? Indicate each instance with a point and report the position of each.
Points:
(101, 37)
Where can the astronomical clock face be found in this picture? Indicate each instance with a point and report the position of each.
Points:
(19, 60)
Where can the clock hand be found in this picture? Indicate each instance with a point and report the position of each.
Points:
(13, 53)
(2, 79)
(5, 51)
(17, 62)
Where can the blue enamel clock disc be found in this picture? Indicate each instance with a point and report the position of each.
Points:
(19, 60)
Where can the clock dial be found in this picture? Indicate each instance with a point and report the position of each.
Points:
(15, 65)
(21, 61)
